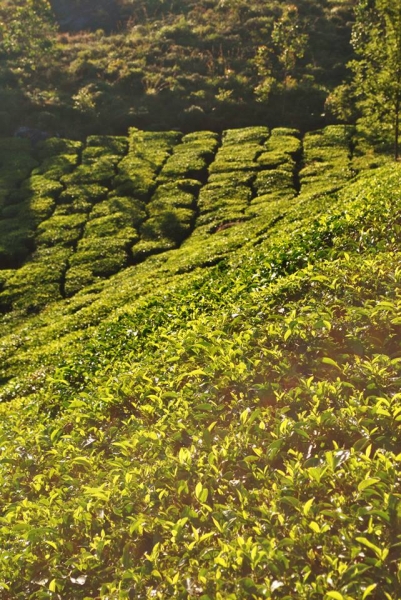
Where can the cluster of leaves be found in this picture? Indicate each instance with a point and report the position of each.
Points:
(373, 92)
(281, 161)
(190, 160)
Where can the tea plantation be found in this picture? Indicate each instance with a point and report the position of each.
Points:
(200, 367)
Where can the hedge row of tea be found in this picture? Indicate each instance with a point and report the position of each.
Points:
(223, 432)
(227, 209)
(72, 216)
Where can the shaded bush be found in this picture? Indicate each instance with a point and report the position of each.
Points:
(147, 153)
(57, 146)
(55, 167)
(191, 158)
(90, 193)
(174, 224)
(275, 180)
(117, 225)
(147, 247)
(36, 283)
(132, 208)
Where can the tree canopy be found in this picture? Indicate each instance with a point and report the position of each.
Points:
(375, 88)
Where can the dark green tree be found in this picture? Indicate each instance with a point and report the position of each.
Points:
(376, 39)
(277, 63)
(27, 32)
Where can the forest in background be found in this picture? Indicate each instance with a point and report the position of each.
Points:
(78, 68)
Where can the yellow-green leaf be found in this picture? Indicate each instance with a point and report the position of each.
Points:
(198, 490)
(329, 361)
(307, 506)
(368, 590)
(314, 526)
(367, 483)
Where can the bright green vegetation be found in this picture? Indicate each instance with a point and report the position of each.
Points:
(201, 370)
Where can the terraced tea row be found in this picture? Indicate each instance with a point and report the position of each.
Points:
(86, 212)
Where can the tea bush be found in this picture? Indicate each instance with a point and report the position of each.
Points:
(191, 158)
(129, 207)
(61, 229)
(281, 150)
(148, 151)
(38, 282)
(219, 201)
(229, 431)
(327, 159)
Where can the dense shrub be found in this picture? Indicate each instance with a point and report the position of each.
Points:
(117, 145)
(147, 153)
(64, 230)
(130, 207)
(191, 158)
(55, 167)
(275, 181)
(146, 247)
(117, 225)
(327, 159)
(38, 282)
(53, 147)
(89, 193)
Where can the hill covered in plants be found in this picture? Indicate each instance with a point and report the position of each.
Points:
(82, 67)
(200, 353)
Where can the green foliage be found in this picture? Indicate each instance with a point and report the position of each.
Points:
(16, 162)
(375, 90)
(171, 223)
(194, 66)
(180, 194)
(60, 229)
(37, 283)
(99, 170)
(29, 33)
(53, 147)
(16, 241)
(240, 149)
(191, 158)
(133, 209)
(211, 410)
(116, 224)
(274, 181)
(89, 193)
(147, 153)
(115, 145)
(54, 167)
(327, 159)
(281, 150)
(221, 201)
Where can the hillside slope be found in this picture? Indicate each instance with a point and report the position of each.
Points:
(220, 417)
(160, 64)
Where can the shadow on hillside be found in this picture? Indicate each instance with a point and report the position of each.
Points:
(15, 106)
